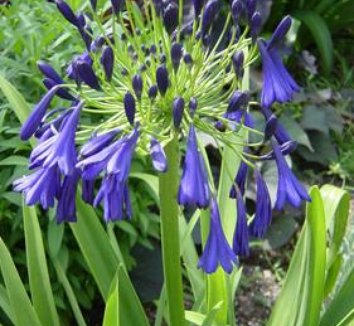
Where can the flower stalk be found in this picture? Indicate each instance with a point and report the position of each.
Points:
(169, 214)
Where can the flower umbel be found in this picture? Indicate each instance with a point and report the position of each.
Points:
(134, 90)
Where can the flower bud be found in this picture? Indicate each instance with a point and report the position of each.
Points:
(251, 8)
(193, 104)
(198, 5)
(176, 55)
(178, 108)
(187, 58)
(48, 71)
(117, 6)
(256, 24)
(237, 101)
(162, 79)
(61, 92)
(153, 92)
(107, 61)
(67, 12)
(137, 85)
(129, 106)
(210, 12)
(170, 17)
(237, 62)
(87, 74)
(236, 9)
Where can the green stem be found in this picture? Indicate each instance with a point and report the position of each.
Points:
(169, 212)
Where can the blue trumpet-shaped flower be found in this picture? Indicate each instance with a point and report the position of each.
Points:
(98, 143)
(278, 85)
(41, 187)
(66, 209)
(240, 180)
(240, 241)
(263, 215)
(194, 187)
(217, 251)
(158, 156)
(289, 188)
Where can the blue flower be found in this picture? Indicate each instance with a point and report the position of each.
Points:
(240, 241)
(66, 209)
(88, 187)
(41, 187)
(60, 149)
(98, 143)
(194, 187)
(115, 196)
(217, 251)
(278, 85)
(107, 61)
(240, 180)
(289, 188)
(129, 107)
(158, 156)
(67, 12)
(177, 111)
(280, 133)
(33, 121)
(263, 215)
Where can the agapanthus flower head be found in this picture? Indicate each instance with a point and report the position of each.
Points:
(217, 251)
(144, 83)
(278, 85)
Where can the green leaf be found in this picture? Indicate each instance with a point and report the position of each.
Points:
(21, 307)
(99, 255)
(341, 309)
(341, 15)
(41, 291)
(16, 100)
(336, 203)
(321, 35)
(314, 118)
(111, 313)
(299, 302)
(15, 160)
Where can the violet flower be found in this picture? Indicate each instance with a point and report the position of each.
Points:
(217, 251)
(194, 187)
(240, 240)
(158, 156)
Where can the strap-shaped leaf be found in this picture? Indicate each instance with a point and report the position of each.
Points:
(300, 300)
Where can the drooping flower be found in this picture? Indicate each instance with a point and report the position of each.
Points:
(279, 132)
(48, 71)
(289, 188)
(36, 116)
(85, 72)
(61, 92)
(98, 143)
(263, 215)
(42, 186)
(66, 209)
(217, 251)
(88, 191)
(278, 85)
(67, 12)
(240, 240)
(240, 180)
(194, 187)
(158, 156)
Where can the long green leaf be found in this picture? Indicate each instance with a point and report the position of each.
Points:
(99, 255)
(321, 35)
(111, 313)
(41, 290)
(341, 15)
(21, 307)
(300, 300)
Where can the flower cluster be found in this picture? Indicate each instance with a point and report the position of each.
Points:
(147, 75)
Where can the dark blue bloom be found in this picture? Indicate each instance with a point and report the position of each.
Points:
(251, 8)
(193, 104)
(238, 101)
(158, 156)
(162, 79)
(263, 215)
(170, 16)
(289, 188)
(194, 186)
(176, 55)
(41, 187)
(240, 241)
(256, 24)
(210, 12)
(67, 12)
(236, 9)
(33, 121)
(240, 180)
(85, 73)
(61, 92)
(60, 149)
(178, 109)
(280, 133)
(137, 84)
(278, 85)
(187, 58)
(153, 92)
(117, 5)
(129, 106)
(55, 124)
(115, 197)
(97, 143)
(66, 209)
(198, 5)
(72, 69)
(237, 61)
(49, 72)
(88, 188)
(240, 116)
(271, 126)
(217, 251)
(107, 61)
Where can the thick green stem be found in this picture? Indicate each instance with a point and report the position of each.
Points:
(169, 212)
